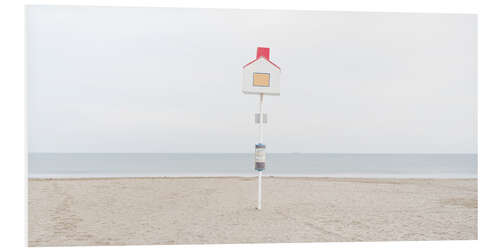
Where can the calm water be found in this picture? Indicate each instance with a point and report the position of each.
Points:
(337, 165)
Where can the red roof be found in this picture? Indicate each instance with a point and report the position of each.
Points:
(262, 52)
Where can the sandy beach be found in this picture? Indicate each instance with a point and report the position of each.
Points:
(120, 211)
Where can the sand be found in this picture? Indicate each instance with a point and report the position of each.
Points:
(67, 212)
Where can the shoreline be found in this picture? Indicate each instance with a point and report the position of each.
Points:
(251, 176)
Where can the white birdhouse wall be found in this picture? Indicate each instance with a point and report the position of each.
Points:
(261, 76)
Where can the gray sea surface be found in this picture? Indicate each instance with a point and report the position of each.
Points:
(81, 165)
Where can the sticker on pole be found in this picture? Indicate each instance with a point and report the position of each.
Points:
(257, 118)
(260, 157)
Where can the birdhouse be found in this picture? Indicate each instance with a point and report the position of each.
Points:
(261, 76)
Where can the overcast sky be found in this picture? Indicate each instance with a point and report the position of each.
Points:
(105, 79)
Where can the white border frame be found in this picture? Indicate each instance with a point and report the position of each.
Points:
(13, 119)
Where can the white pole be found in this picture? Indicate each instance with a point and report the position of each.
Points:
(261, 134)
(259, 206)
(261, 140)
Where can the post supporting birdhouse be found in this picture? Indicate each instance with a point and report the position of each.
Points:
(261, 77)
(261, 141)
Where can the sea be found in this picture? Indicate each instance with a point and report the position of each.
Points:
(85, 165)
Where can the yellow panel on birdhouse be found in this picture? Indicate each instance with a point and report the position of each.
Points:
(261, 79)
